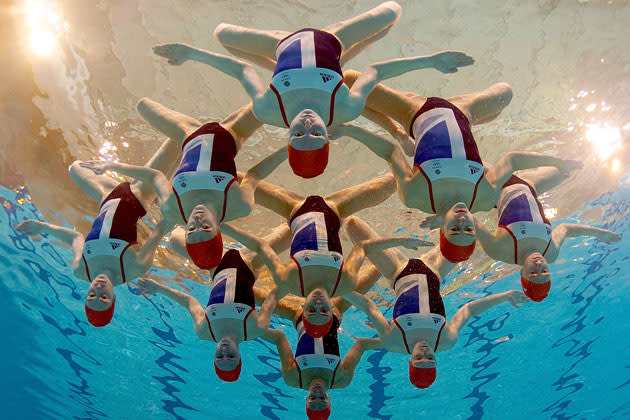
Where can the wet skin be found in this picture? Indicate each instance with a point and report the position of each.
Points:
(458, 225)
(100, 295)
(536, 268)
(202, 225)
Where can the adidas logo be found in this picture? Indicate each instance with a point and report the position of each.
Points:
(336, 257)
(218, 178)
(239, 310)
(474, 170)
(114, 246)
(330, 361)
(326, 77)
(436, 320)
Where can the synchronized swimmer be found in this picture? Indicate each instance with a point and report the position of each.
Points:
(194, 179)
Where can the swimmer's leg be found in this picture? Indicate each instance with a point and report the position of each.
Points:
(388, 261)
(173, 124)
(96, 186)
(255, 45)
(401, 106)
(351, 200)
(289, 307)
(543, 179)
(360, 31)
(277, 199)
(486, 105)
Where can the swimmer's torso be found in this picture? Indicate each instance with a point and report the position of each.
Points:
(231, 302)
(316, 248)
(449, 168)
(418, 310)
(524, 228)
(206, 172)
(307, 75)
(317, 357)
(110, 243)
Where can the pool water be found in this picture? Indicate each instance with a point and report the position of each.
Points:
(565, 358)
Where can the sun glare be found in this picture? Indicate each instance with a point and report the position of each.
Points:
(45, 27)
(606, 140)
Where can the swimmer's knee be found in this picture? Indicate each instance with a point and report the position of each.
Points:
(394, 7)
(74, 167)
(350, 76)
(504, 90)
(223, 31)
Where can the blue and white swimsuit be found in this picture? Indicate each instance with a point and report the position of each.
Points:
(114, 230)
(207, 164)
(322, 352)
(315, 228)
(445, 146)
(419, 310)
(308, 59)
(232, 295)
(521, 214)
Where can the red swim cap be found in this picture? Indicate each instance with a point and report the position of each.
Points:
(206, 254)
(229, 375)
(322, 414)
(535, 291)
(100, 318)
(455, 253)
(315, 330)
(308, 163)
(421, 377)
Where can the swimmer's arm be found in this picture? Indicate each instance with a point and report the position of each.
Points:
(501, 171)
(366, 305)
(147, 250)
(382, 147)
(375, 250)
(353, 357)
(475, 308)
(571, 230)
(259, 172)
(386, 122)
(67, 236)
(241, 70)
(444, 61)
(490, 243)
(266, 310)
(259, 246)
(287, 362)
(188, 302)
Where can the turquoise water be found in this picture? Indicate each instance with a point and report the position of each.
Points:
(565, 358)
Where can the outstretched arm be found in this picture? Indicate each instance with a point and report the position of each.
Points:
(257, 245)
(353, 357)
(570, 230)
(501, 171)
(144, 174)
(147, 250)
(244, 72)
(406, 143)
(259, 172)
(488, 240)
(444, 61)
(382, 147)
(67, 236)
(375, 316)
(476, 307)
(190, 303)
(285, 353)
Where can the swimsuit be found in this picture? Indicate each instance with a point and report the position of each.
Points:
(307, 59)
(114, 229)
(419, 310)
(322, 352)
(315, 228)
(521, 214)
(232, 295)
(445, 146)
(207, 164)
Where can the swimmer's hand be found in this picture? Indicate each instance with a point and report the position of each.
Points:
(516, 297)
(608, 236)
(176, 53)
(431, 222)
(449, 61)
(149, 286)
(97, 166)
(31, 227)
(337, 131)
(415, 243)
